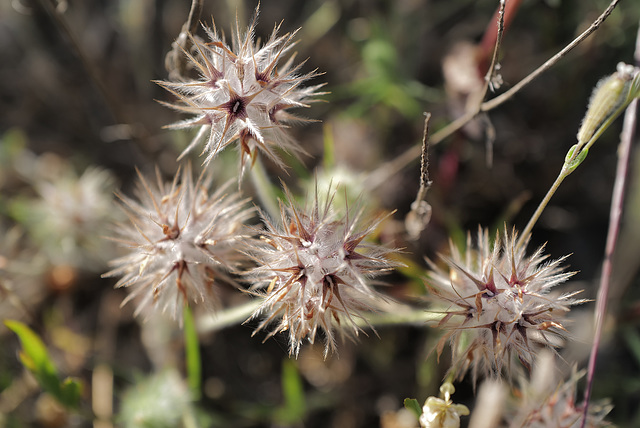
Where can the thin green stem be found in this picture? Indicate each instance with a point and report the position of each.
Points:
(192, 351)
(398, 314)
(228, 317)
(574, 158)
(564, 173)
(264, 189)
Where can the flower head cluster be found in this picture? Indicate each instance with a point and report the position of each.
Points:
(497, 303)
(243, 93)
(546, 402)
(69, 217)
(182, 241)
(314, 266)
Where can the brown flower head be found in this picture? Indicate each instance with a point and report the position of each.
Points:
(244, 94)
(314, 268)
(181, 239)
(497, 303)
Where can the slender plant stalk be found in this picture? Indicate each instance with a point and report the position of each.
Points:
(574, 158)
(264, 188)
(382, 174)
(624, 154)
(494, 59)
(228, 317)
(192, 351)
(176, 61)
(564, 173)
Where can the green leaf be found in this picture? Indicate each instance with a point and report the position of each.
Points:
(35, 357)
(192, 350)
(71, 392)
(294, 407)
(413, 405)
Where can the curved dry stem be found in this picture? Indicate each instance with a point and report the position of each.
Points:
(382, 174)
(176, 61)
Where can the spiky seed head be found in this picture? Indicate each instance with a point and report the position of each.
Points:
(313, 272)
(182, 241)
(70, 214)
(244, 94)
(547, 400)
(497, 303)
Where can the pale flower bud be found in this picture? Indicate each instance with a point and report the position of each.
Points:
(606, 97)
(441, 412)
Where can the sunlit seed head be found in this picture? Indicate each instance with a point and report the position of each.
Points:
(244, 93)
(498, 304)
(182, 241)
(313, 273)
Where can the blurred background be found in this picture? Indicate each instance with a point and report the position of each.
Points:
(79, 112)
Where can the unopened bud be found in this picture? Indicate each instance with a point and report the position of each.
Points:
(606, 97)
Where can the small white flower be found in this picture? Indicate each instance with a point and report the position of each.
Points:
(441, 412)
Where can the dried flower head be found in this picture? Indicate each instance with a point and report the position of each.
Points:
(544, 401)
(182, 241)
(314, 266)
(70, 216)
(497, 303)
(243, 93)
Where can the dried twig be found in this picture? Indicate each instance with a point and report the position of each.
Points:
(392, 167)
(420, 214)
(176, 62)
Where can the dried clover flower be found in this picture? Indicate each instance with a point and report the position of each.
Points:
(243, 94)
(546, 402)
(498, 303)
(70, 216)
(182, 241)
(315, 267)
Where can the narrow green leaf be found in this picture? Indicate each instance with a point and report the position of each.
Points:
(35, 357)
(413, 405)
(192, 350)
(71, 392)
(34, 354)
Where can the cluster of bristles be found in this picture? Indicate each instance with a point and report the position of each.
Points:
(312, 267)
(243, 94)
(498, 303)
